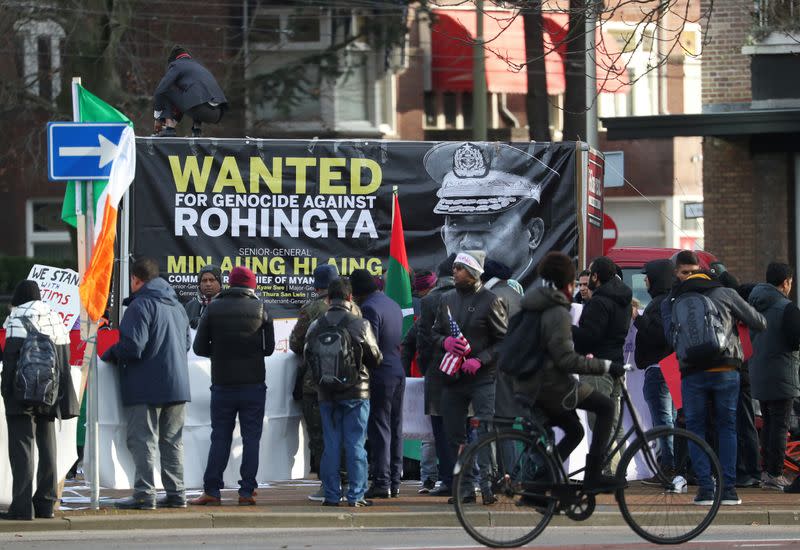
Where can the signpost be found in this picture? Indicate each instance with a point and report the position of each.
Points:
(81, 150)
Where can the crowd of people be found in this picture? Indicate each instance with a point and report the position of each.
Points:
(355, 359)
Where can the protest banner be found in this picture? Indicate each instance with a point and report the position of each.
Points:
(59, 288)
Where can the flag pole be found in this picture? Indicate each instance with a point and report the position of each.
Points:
(85, 230)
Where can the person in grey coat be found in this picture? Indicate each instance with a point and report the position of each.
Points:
(774, 376)
(495, 278)
(209, 284)
(186, 88)
(151, 354)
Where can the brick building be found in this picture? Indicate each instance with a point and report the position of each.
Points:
(750, 126)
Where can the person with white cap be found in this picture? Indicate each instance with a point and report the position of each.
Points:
(482, 320)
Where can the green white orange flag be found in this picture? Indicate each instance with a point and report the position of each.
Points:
(398, 282)
(94, 287)
(92, 109)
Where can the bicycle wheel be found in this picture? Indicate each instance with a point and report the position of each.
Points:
(515, 478)
(662, 509)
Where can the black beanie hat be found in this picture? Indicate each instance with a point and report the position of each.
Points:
(214, 270)
(26, 291)
(363, 282)
(445, 269)
(176, 51)
(493, 268)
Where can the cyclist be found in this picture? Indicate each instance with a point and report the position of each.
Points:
(553, 388)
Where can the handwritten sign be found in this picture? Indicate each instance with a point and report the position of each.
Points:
(59, 288)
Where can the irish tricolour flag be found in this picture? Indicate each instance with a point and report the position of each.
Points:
(398, 282)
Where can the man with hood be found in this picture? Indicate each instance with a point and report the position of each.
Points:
(716, 379)
(651, 348)
(151, 354)
(429, 356)
(209, 284)
(553, 388)
(482, 319)
(603, 327)
(28, 424)
(774, 367)
(186, 88)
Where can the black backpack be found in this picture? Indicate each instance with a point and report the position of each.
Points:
(36, 378)
(520, 355)
(331, 357)
(698, 332)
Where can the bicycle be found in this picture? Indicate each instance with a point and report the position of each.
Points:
(524, 483)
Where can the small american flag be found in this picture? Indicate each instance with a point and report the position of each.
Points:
(451, 363)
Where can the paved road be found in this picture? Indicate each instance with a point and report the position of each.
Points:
(745, 538)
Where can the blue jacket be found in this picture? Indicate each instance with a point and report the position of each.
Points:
(154, 339)
(386, 319)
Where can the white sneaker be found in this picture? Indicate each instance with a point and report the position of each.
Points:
(776, 483)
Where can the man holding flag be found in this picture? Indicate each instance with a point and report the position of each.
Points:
(470, 325)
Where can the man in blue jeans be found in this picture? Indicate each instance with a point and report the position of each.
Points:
(344, 410)
(716, 379)
(652, 347)
(236, 332)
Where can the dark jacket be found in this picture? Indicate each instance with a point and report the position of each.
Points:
(194, 82)
(775, 362)
(236, 332)
(605, 321)
(429, 355)
(154, 339)
(386, 319)
(483, 321)
(48, 322)
(504, 402)
(651, 344)
(364, 344)
(554, 388)
(408, 349)
(732, 308)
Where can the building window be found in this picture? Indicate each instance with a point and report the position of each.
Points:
(41, 57)
(46, 235)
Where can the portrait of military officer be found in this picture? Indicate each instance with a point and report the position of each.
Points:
(490, 196)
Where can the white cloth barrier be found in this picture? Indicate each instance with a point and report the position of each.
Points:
(282, 451)
(67, 452)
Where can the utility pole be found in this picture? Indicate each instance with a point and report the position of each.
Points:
(478, 79)
(591, 74)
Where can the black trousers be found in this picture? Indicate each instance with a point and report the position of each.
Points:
(773, 434)
(22, 431)
(603, 407)
(747, 445)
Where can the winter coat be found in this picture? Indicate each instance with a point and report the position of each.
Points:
(196, 84)
(154, 339)
(504, 402)
(408, 349)
(732, 308)
(651, 344)
(236, 332)
(605, 321)
(365, 346)
(429, 355)
(386, 318)
(48, 322)
(483, 321)
(775, 361)
(553, 388)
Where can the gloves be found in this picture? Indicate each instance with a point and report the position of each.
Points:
(109, 356)
(471, 365)
(455, 345)
(616, 369)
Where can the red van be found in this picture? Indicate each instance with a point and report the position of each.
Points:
(632, 260)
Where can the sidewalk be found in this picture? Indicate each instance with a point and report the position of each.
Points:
(285, 504)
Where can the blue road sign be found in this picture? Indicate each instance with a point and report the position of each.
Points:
(81, 150)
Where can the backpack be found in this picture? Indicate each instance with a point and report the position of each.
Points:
(698, 332)
(519, 354)
(331, 356)
(37, 375)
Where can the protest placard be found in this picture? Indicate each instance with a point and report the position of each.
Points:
(59, 288)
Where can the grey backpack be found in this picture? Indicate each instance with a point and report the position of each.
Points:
(698, 332)
(331, 356)
(37, 376)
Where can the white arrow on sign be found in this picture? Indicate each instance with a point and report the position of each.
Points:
(107, 151)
